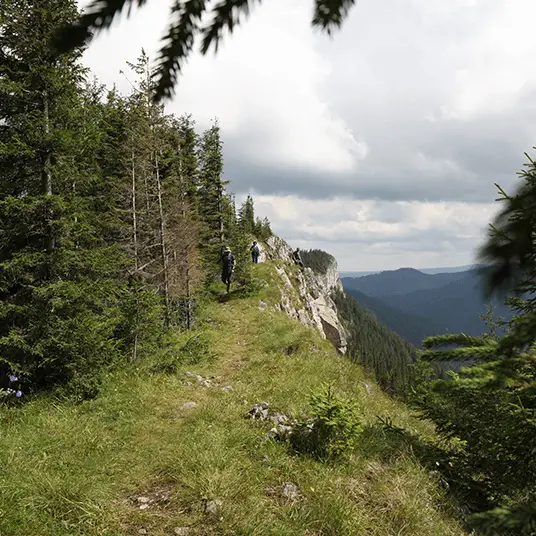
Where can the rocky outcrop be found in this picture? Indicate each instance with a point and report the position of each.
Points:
(306, 295)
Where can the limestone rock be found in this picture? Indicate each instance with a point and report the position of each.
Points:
(309, 298)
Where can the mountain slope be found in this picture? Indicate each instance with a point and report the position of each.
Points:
(412, 328)
(155, 455)
(453, 308)
(401, 281)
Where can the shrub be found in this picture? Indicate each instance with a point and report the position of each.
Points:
(333, 429)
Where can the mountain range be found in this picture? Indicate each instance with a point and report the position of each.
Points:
(416, 305)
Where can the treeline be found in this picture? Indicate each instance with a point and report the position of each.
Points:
(316, 259)
(112, 213)
(386, 355)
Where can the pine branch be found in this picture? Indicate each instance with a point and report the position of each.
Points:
(179, 42)
(460, 339)
(476, 353)
(520, 519)
(100, 16)
(330, 14)
(185, 23)
(226, 15)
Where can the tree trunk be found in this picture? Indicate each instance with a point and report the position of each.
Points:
(134, 215)
(46, 172)
(162, 236)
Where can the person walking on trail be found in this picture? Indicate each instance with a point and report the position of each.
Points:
(228, 260)
(297, 258)
(255, 252)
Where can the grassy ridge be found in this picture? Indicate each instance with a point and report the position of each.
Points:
(70, 470)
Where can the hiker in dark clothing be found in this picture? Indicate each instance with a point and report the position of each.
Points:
(297, 258)
(228, 260)
(255, 252)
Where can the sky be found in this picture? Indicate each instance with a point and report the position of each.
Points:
(381, 144)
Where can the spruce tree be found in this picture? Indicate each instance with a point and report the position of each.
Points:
(212, 199)
(59, 277)
(490, 404)
(246, 216)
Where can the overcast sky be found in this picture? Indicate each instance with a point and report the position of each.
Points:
(380, 145)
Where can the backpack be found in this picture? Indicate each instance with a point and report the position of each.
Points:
(256, 250)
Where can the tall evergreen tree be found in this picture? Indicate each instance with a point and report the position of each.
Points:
(58, 276)
(246, 216)
(213, 201)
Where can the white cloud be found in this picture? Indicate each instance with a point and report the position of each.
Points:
(348, 138)
(375, 231)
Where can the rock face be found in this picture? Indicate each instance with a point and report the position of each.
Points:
(307, 297)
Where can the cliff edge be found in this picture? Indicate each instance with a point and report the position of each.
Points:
(305, 294)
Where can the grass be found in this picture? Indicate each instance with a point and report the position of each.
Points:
(84, 470)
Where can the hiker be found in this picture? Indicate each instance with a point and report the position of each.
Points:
(297, 258)
(255, 252)
(228, 260)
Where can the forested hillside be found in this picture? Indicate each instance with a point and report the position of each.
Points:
(112, 212)
(384, 353)
(417, 305)
(412, 328)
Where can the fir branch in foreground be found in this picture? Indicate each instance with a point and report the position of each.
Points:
(476, 353)
(461, 339)
(226, 15)
(179, 42)
(520, 519)
(330, 14)
(185, 19)
(100, 16)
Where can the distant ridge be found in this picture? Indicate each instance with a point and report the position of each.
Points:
(431, 271)
(415, 304)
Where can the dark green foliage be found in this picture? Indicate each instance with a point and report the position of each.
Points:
(332, 429)
(382, 352)
(246, 216)
(510, 250)
(262, 229)
(60, 281)
(489, 406)
(316, 259)
(184, 26)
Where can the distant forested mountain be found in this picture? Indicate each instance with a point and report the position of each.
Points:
(416, 305)
(412, 328)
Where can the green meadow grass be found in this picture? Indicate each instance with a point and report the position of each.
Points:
(69, 470)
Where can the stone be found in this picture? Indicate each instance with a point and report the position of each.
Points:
(290, 491)
(199, 378)
(187, 383)
(188, 405)
(143, 499)
(143, 506)
(284, 430)
(272, 433)
(142, 531)
(213, 507)
(206, 383)
(227, 388)
(259, 411)
(279, 418)
(189, 374)
(181, 531)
